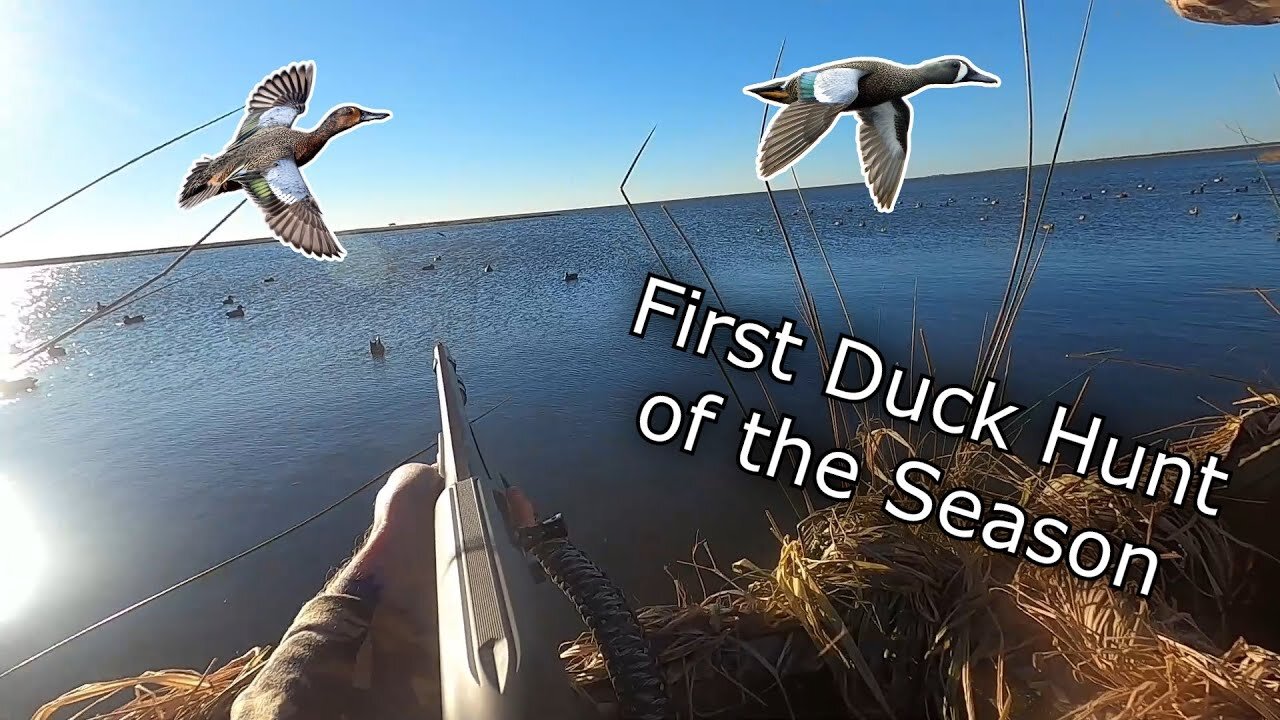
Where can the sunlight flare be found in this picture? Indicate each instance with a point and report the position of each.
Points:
(23, 556)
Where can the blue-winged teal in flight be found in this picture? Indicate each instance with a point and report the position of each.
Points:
(265, 157)
(876, 91)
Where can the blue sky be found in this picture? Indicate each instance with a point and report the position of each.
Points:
(517, 107)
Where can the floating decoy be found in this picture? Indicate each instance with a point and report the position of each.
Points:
(229, 300)
(996, 201)
(267, 280)
(1102, 192)
(570, 276)
(838, 223)
(1236, 218)
(488, 268)
(1122, 194)
(376, 348)
(132, 319)
(862, 223)
(1195, 210)
(1219, 179)
(56, 351)
(440, 233)
(813, 99)
(918, 205)
(429, 266)
(1047, 227)
(986, 199)
(1087, 196)
(100, 307)
(437, 258)
(10, 388)
(983, 218)
(1081, 217)
(1243, 188)
(237, 313)
(266, 156)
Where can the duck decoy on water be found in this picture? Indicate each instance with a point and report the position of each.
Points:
(376, 348)
(268, 280)
(1081, 217)
(1219, 179)
(1122, 195)
(237, 313)
(132, 319)
(1243, 188)
(488, 268)
(838, 223)
(12, 388)
(983, 218)
(429, 266)
(1236, 218)
(1087, 196)
(100, 307)
(1047, 227)
(56, 351)
(229, 300)
(874, 89)
(266, 155)
(570, 276)
(1195, 210)
(438, 258)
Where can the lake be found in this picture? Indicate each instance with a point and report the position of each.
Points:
(155, 450)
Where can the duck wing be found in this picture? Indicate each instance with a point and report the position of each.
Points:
(291, 211)
(792, 133)
(278, 100)
(884, 133)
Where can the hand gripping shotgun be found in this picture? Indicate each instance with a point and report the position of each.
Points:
(497, 661)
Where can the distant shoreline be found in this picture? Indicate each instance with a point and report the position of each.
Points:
(1269, 151)
(68, 259)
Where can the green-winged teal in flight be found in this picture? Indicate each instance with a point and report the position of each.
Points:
(266, 155)
(876, 91)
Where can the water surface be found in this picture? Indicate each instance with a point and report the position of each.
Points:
(153, 451)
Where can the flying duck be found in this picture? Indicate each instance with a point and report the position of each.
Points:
(266, 155)
(874, 89)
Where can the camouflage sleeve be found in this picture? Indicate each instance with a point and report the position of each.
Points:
(312, 672)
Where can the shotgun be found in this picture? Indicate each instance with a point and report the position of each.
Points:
(496, 660)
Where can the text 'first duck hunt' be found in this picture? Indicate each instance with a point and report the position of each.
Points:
(266, 155)
(874, 89)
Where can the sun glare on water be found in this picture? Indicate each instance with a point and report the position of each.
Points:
(23, 556)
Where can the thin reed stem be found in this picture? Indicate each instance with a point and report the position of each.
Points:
(622, 188)
(115, 170)
(119, 302)
(1024, 284)
(981, 369)
(835, 284)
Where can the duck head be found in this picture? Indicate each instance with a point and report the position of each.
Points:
(956, 70)
(349, 116)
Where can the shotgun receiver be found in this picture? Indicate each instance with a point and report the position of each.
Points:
(497, 661)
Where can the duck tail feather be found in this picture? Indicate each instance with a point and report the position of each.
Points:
(197, 188)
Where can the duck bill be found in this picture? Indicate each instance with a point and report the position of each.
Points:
(977, 76)
(773, 91)
(373, 115)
